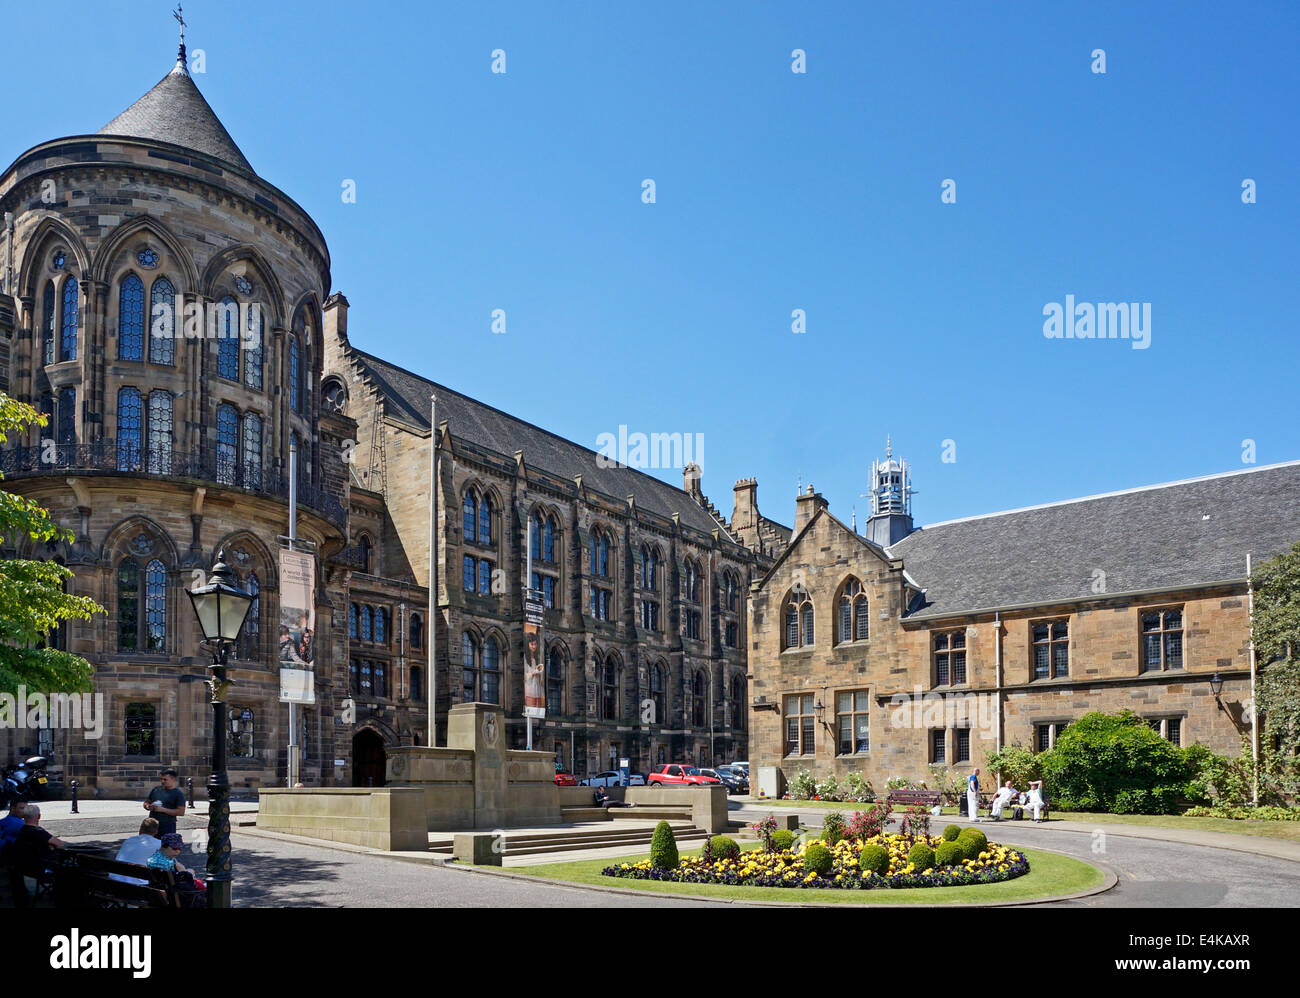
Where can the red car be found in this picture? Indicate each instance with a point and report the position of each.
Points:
(681, 775)
(563, 779)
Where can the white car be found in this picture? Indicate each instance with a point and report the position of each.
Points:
(613, 779)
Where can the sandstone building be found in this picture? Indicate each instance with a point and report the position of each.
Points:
(888, 653)
(163, 449)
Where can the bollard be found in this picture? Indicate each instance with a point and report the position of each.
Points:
(75, 809)
(189, 791)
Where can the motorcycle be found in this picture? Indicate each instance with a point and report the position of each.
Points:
(25, 780)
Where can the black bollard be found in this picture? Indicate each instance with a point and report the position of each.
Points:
(75, 787)
(189, 791)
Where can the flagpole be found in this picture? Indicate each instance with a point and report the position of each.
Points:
(432, 665)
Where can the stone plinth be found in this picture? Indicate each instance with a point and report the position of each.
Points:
(390, 818)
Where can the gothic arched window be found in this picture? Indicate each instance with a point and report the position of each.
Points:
(650, 568)
(416, 632)
(469, 507)
(852, 621)
(657, 694)
(67, 415)
(164, 322)
(469, 662)
(227, 444)
(253, 353)
(68, 341)
(160, 433)
(47, 324)
(295, 374)
(381, 626)
(252, 441)
(485, 521)
(130, 319)
(130, 428)
(250, 637)
(352, 621)
(609, 690)
(228, 339)
(491, 671)
(141, 591)
(334, 396)
(555, 682)
(699, 700)
(363, 548)
(798, 619)
(549, 533)
(367, 624)
(738, 702)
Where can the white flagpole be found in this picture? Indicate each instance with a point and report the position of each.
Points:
(293, 536)
(528, 594)
(432, 666)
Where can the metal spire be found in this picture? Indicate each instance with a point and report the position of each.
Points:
(179, 14)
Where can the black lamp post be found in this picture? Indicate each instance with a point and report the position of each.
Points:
(221, 607)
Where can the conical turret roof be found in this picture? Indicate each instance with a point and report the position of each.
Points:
(174, 111)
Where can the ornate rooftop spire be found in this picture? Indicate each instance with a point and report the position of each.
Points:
(181, 67)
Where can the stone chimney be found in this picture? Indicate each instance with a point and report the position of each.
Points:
(334, 313)
(806, 507)
(744, 510)
(691, 480)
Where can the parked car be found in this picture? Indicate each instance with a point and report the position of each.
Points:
(737, 780)
(742, 765)
(563, 779)
(681, 775)
(613, 779)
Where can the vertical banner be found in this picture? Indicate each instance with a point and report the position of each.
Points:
(534, 682)
(297, 627)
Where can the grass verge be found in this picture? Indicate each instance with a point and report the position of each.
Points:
(1049, 875)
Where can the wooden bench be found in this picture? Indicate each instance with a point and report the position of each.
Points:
(100, 890)
(909, 798)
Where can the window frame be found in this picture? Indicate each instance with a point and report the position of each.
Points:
(1162, 612)
(806, 724)
(852, 714)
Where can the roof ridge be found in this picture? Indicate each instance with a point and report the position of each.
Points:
(1106, 495)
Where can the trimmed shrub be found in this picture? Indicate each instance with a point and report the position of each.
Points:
(724, 847)
(951, 832)
(802, 787)
(817, 858)
(782, 839)
(874, 858)
(949, 854)
(973, 841)
(921, 856)
(663, 848)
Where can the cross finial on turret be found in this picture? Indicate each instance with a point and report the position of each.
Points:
(179, 14)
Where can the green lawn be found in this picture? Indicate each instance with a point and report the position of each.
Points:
(1288, 830)
(1049, 875)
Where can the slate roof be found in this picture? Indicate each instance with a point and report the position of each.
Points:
(1186, 533)
(174, 111)
(406, 397)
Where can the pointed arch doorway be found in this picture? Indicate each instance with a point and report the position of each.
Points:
(368, 759)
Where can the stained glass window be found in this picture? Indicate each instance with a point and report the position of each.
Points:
(130, 319)
(491, 671)
(227, 444)
(130, 421)
(485, 521)
(367, 624)
(252, 451)
(147, 258)
(128, 606)
(250, 637)
(164, 322)
(228, 339)
(160, 433)
(469, 506)
(467, 574)
(295, 375)
(352, 621)
(155, 606)
(68, 342)
(485, 578)
(381, 626)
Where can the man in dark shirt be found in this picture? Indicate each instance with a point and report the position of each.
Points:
(166, 802)
(29, 855)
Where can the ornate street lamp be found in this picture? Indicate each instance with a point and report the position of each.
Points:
(1216, 685)
(221, 607)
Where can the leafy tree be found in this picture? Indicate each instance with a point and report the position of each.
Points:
(32, 600)
(1117, 763)
(1015, 763)
(1276, 634)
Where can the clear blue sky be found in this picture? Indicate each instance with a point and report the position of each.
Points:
(777, 191)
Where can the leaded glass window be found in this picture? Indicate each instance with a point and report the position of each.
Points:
(228, 339)
(469, 507)
(295, 375)
(160, 433)
(47, 324)
(381, 626)
(128, 606)
(67, 415)
(252, 451)
(68, 341)
(1162, 640)
(555, 682)
(155, 606)
(250, 637)
(253, 353)
(164, 322)
(485, 521)
(227, 444)
(609, 690)
(800, 725)
(381, 680)
(467, 574)
(130, 427)
(485, 578)
(241, 732)
(548, 539)
(367, 624)
(950, 658)
(491, 671)
(700, 700)
(352, 621)
(141, 729)
(469, 670)
(130, 319)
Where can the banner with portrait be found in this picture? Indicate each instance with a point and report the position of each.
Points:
(297, 637)
(534, 667)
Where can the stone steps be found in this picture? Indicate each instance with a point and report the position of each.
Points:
(538, 843)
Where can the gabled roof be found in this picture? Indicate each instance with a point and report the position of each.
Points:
(406, 398)
(875, 549)
(1178, 535)
(174, 111)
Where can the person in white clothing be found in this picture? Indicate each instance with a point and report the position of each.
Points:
(1035, 801)
(1004, 796)
(137, 849)
(973, 795)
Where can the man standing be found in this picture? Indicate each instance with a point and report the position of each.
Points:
(973, 795)
(1003, 797)
(166, 802)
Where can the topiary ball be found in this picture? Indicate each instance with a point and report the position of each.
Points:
(663, 848)
(921, 856)
(949, 854)
(875, 859)
(951, 832)
(782, 839)
(725, 847)
(973, 841)
(818, 859)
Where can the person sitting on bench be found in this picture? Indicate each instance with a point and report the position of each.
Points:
(1004, 796)
(1035, 801)
(603, 799)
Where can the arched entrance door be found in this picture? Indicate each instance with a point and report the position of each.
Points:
(368, 759)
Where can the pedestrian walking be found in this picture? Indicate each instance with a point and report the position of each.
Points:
(166, 802)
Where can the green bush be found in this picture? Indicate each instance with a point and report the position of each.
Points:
(951, 832)
(1117, 763)
(1264, 813)
(857, 788)
(949, 854)
(724, 847)
(973, 841)
(817, 858)
(1015, 763)
(874, 858)
(663, 848)
(832, 827)
(921, 856)
(782, 839)
(803, 786)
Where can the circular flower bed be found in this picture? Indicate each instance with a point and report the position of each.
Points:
(785, 868)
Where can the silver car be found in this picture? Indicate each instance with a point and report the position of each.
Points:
(613, 779)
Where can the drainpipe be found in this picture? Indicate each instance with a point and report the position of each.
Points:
(997, 679)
